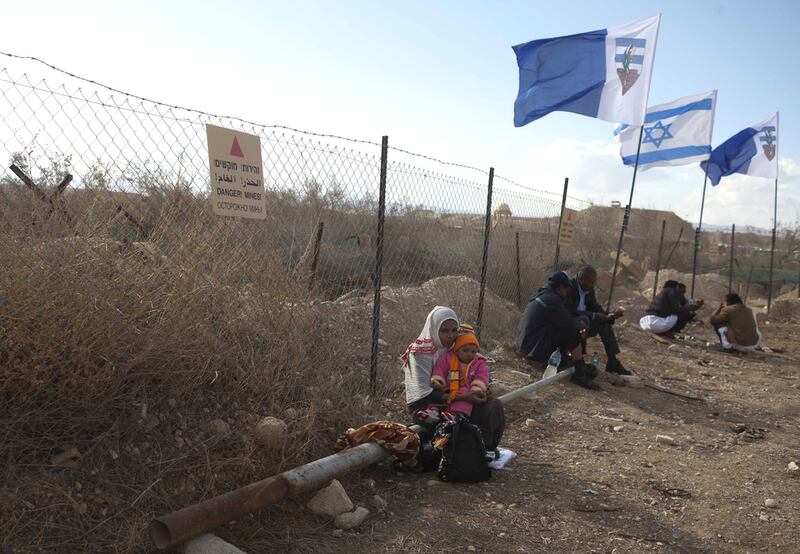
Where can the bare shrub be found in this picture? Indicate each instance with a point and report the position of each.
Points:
(126, 349)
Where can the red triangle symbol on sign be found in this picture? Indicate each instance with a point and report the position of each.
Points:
(236, 150)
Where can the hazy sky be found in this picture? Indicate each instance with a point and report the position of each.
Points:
(440, 78)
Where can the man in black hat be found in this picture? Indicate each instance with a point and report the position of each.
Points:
(582, 302)
(547, 324)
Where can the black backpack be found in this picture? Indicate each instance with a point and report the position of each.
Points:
(464, 457)
(428, 457)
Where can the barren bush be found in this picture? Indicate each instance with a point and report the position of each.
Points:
(127, 350)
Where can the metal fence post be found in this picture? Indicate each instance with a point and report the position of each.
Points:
(772, 250)
(771, 265)
(733, 246)
(626, 219)
(674, 246)
(376, 277)
(694, 262)
(315, 257)
(519, 292)
(486, 231)
(658, 263)
(560, 218)
(747, 287)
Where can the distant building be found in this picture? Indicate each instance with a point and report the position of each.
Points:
(643, 223)
(502, 216)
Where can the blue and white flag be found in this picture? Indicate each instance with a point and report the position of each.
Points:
(752, 151)
(677, 133)
(603, 74)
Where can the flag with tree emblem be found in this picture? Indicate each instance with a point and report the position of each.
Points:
(603, 74)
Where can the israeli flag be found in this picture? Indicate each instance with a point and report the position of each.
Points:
(603, 74)
(752, 151)
(677, 133)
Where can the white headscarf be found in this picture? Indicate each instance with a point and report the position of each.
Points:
(421, 355)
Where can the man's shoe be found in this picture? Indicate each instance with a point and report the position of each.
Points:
(580, 377)
(615, 366)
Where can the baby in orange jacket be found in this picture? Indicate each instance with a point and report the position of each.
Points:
(463, 372)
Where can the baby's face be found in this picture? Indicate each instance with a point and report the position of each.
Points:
(467, 353)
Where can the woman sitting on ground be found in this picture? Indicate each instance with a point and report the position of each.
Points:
(437, 337)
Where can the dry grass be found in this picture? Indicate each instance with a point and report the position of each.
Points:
(126, 351)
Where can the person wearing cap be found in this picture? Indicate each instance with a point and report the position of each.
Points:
(462, 375)
(547, 325)
(582, 302)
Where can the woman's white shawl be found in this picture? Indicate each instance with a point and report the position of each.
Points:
(421, 355)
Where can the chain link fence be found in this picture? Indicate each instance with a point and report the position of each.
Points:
(116, 263)
(139, 178)
(98, 164)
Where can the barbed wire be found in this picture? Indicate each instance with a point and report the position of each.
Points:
(274, 126)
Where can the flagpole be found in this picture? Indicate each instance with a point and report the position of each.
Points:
(697, 232)
(772, 250)
(625, 220)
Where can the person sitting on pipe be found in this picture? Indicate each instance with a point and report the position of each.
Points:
(437, 338)
(582, 303)
(547, 324)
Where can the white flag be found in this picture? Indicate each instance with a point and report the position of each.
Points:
(752, 151)
(604, 74)
(632, 48)
(677, 133)
(765, 162)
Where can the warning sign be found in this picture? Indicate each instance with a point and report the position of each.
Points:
(567, 227)
(237, 176)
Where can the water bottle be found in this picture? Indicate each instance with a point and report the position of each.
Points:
(553, 363)
(596, 360)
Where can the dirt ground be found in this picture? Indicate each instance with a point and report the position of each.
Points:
(590, 475)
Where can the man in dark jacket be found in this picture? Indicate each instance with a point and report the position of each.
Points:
(581, 302)
(547, 324)
(667, 313)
